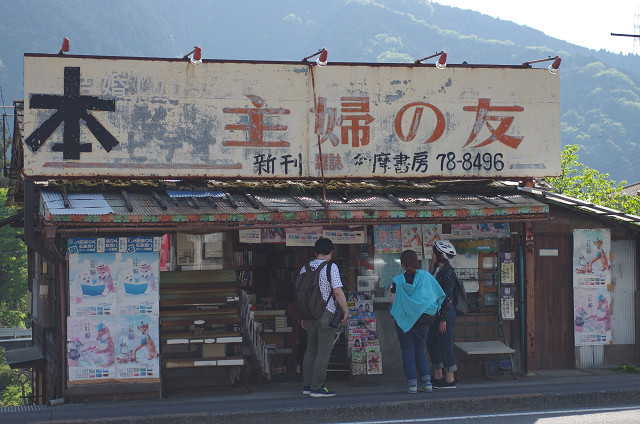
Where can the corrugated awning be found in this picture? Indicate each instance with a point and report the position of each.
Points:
(258, 206)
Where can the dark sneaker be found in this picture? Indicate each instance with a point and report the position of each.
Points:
(443, 384)
(322, 392)
(306, 390)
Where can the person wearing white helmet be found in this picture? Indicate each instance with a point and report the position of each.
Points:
(440, 335)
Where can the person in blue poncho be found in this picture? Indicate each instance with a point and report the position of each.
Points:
(416, 297)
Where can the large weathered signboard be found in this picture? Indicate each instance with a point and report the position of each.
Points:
(123, 117)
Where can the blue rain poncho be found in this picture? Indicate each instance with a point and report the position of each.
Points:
(424, 296)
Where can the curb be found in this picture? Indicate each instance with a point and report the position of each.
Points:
(327, 413)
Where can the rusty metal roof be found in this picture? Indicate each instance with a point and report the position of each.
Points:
(256, 206)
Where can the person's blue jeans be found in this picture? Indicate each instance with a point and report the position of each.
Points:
(440, 345)
(414, 359)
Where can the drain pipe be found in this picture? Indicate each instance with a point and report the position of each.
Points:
(522, 332)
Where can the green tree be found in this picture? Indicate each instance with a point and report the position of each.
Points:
(13, 272)
(584, 183)
(15, 385)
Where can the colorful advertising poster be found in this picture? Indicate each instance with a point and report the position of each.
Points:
(591, 316)
(137, 345)
(273, 235)
(492, 230)
(351, 234)
(91, 353)
(137, 283)
(250, 236)
(591, 250)
(112, 347)
(303, 236)
(387, 238)
(507, 268)
(412, 238)
(462, 231)
(431, 233)
(92, 284)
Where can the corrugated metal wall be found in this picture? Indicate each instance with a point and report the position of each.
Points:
(623, 272)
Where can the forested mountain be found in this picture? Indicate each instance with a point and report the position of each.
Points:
(600, 91)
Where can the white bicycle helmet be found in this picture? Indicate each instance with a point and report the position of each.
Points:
(446, 248)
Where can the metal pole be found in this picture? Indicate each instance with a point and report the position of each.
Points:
(4, 148)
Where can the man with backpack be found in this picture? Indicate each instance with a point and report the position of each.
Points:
(320, 334)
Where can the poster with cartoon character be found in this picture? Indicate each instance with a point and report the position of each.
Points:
(92, 288)
(412, 238)
(137, 277)
(91, 351)
(431, 233)
(591, 249)
(137, 347)
(591, 316)
(114, 302)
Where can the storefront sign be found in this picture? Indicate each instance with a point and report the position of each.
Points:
(169, 118)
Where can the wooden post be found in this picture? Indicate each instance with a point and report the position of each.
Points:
(529, 265)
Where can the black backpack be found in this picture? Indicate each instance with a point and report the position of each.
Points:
(461, 302)
(308, 296)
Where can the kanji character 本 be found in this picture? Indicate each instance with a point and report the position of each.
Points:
(256, 126)
(71, 107)
(415, 123)
(264, 163)
(359, 128)
(325, 121)
(482, 117)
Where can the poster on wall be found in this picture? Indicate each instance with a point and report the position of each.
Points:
(591, 249)
(113, 309)
(91, 347)
(462, 231)
(430, 234)
(412, 238)
(507, 303)
(273, 235)
(350, 234)
(137, 347)
(92, 284)
(507, 268)
(303, 236)
(591, 316)
(112, 347)
(137, 277)
(387, 238)
(492, 230)
(250, 236)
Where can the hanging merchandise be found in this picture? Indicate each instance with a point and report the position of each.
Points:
(362, 335)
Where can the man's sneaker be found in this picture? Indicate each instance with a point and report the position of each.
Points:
(443, 384)
(322, 392)
(426, 387)
(306, 390)
(413, 388)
